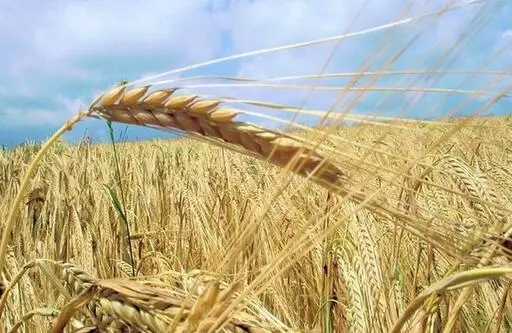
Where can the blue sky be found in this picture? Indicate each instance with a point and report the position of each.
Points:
(58, 55)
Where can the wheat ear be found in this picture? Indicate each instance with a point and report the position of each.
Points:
(153, 309)
(206, 117)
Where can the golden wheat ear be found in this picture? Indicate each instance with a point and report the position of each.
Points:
(208, 118)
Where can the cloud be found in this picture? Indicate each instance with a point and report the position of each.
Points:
(77, 40)
(68, 51)
(96, 27)
(62, 109)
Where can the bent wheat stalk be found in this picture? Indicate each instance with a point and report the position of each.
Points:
(153, 309)
(191, 114)
(207, 118)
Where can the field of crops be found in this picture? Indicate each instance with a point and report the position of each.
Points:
(126, 237)
(360, 183)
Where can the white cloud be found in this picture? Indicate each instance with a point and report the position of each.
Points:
(57, 34)
(76, 29)
(57, 37)
(46, 42)
(30, 117)
(64, 108)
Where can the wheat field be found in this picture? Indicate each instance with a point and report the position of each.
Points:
(356, 223)
(188, 205)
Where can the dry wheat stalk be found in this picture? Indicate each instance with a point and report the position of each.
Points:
(87, 329)
(43, 312)
(207, 119)
(129, 306)
(148, 308)
(191, 114)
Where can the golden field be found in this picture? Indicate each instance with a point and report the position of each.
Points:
(163, 215)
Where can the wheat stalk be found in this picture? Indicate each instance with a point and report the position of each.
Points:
(149, 308)
(191, 114)
(207, 118)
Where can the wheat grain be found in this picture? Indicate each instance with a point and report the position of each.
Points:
(152, 309)
(191, 114)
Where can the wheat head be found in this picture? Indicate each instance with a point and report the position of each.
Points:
(206, 117)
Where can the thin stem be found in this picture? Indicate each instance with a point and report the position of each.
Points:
(122, 207)
(312, 42)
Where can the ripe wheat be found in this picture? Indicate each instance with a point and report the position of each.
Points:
(418, 218)
(191, 114)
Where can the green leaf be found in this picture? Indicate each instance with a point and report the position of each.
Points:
(116, 202)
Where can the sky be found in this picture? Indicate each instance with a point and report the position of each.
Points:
(57, 56)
